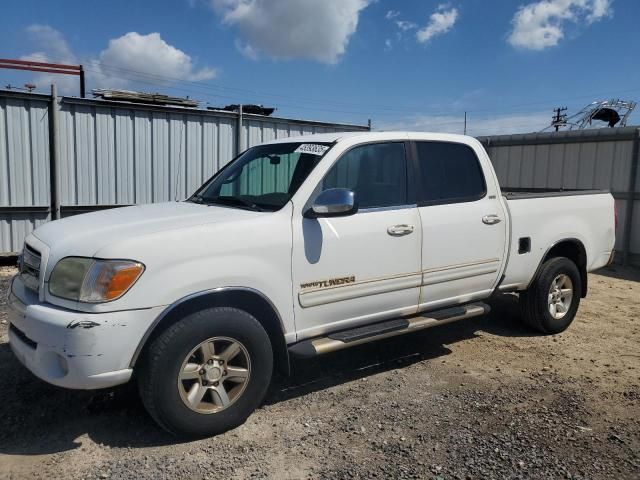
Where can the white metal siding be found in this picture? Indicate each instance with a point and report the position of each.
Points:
(24, 152)
(24, 168)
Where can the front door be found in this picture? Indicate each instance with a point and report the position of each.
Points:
(365, 267)
(463, 224)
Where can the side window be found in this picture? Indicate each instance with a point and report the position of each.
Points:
(450, 172)
(377, 173)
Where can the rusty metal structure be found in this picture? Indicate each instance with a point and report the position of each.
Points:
(601, 113)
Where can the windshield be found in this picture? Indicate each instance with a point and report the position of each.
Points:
(264, 178)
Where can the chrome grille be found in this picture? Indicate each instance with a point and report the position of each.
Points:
(30, 268)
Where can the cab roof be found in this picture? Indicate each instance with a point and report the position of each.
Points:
(319, 137)
(372, 136)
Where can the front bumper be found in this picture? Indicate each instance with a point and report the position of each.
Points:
(74, 349)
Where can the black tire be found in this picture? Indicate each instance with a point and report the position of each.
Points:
(162, 362)
(534, 302)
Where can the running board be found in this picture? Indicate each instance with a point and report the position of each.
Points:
(391, 328)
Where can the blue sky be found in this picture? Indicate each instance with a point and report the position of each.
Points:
(413, 64)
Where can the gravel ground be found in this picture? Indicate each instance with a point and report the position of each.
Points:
(485, 398)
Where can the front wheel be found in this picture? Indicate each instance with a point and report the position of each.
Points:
(206, 373)
(551, 302)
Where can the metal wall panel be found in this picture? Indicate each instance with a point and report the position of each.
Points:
(14, 227)
(621, 207)
(24, 152)
(24, 167)
(583, 165)
(635, 234)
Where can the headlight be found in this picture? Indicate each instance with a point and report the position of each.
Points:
(90, 280)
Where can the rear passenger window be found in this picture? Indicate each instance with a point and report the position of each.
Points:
(377, 173)
(450, 173)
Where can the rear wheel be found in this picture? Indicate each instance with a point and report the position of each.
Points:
(207, 373)
(551, 302)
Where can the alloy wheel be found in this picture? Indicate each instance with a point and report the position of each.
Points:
(560, 296)
(214, 375)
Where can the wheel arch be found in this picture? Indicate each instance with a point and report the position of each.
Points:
(574, 250)
(248, 299)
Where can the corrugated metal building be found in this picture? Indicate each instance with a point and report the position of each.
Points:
(115, 153)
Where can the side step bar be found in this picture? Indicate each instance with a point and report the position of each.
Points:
(391, 328)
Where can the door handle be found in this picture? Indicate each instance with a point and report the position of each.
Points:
(491, 219)
(400, 230)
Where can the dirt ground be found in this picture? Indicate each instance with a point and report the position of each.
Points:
(485, 398)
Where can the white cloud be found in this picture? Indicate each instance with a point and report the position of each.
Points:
(116, 66)
(440, 22)
(599, 10)
(541, 24)
(498, 125)
(56, 45)
(52, 48)
(404, 25)
(151, 55)
(293, 29)
(391, 14)
(247, 50)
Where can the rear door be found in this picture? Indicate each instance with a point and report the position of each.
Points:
(463, 223)
(360, 268)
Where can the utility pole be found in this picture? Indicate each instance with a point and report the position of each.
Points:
(465, 123)
(82, 82)
(240, 134)
(559, 118)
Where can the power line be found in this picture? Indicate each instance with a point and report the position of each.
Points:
(165, 80)
(297, 106)
(213, 90)
(369, 111)
(436, 125)
(399, 108)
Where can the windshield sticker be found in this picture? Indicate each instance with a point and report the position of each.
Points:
(312, 149)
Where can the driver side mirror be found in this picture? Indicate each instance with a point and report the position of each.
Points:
(334, 202)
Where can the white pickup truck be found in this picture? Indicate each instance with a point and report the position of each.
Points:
(298, 247)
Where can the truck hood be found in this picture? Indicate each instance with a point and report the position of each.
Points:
(84, 235)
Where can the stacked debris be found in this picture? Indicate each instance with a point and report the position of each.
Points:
(142, 97)
(251, 109)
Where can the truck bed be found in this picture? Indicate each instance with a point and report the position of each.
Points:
(522, 193)
(541, 217)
